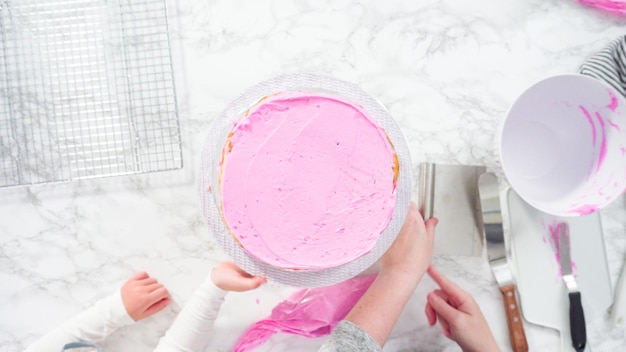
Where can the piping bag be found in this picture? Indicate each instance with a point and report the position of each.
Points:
(311, 312)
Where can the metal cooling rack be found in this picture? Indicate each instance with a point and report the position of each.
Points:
(86, 90)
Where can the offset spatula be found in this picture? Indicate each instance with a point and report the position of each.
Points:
(497, 253)
(576, 313)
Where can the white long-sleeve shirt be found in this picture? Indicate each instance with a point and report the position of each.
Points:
(93, 325)
(188, 332)
(191, 328)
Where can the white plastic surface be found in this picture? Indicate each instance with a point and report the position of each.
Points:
(544, 299)
(563, 145)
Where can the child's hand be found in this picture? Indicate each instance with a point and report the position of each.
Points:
(411, 252)
(143, 296)
(229, 277)
(459, 316)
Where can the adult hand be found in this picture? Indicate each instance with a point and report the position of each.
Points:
(402, 267)
(459, 316)
(143, 296)
(412, 250)
(230, 277)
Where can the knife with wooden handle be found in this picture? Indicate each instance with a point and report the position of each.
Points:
(489, 193)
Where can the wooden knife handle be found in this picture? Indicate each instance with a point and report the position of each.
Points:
(514, 319)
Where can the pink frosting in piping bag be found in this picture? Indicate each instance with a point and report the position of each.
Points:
(307, 181)
(312, 312)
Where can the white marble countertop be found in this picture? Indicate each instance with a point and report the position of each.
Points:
(447, 71)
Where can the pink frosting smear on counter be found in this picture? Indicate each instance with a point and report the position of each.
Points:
(307, 181)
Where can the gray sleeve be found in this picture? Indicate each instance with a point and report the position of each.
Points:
(349, 337)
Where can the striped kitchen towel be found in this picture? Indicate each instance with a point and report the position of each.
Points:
(609, 65)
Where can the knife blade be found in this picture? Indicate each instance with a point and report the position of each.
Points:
(576, 313)
(489, 193)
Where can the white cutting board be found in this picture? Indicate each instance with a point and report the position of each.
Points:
(544, 298)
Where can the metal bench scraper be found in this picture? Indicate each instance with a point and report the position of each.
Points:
(450, 193)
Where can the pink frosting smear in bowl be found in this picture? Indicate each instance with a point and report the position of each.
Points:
(307, 181)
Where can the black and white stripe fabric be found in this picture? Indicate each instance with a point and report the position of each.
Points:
(609, 65)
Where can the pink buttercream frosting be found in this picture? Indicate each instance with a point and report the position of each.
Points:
(307, 181)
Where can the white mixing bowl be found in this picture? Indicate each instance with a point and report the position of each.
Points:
(563, 145)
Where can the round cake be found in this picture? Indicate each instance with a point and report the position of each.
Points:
(307, 181)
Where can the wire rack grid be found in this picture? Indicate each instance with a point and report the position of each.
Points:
(86, 90)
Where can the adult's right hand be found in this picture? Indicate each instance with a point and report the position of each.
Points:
(459, 316)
